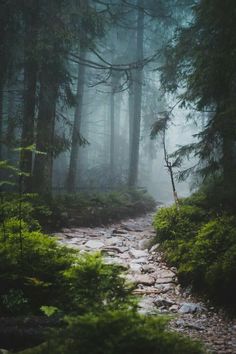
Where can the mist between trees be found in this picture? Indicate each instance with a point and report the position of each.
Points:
(82, 84)
(80, 90)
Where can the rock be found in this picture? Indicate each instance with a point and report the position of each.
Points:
(143, 244)
(141, 279)
(164, 280)
(165, 273)
(135, 267)
(114, 249)
(115, 241)
(149, 268)
(132, 227)
(116, 261)
(190, 308)
(164, 288)
(140, 261)
(138, 253)
(93, 244)
(180, 323)
(154, 248)
(174, 308)
(124, 255)
(4, 351)
(163, 302)
(119, 232)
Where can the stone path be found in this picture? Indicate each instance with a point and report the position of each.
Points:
(127, 243)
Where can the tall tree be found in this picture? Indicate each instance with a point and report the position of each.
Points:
(31, 20)
(137, 99)
(202, 60)
(76, 134)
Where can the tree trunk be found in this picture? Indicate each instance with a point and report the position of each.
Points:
(10, 133)
(45, 133)
(131, 117)
(30, 81)
(1, 118)
(137, 77)
(74, 156)
(112, 132)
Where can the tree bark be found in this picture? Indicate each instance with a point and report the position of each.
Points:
(137, 77)
(45, 133)
(30, 81)
(74, 156)
(1, 118)
(112, 131)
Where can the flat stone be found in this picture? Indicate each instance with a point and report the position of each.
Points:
(164, 273)
(124, 255)
(114, 241)
(143, 244)
(135, 267)
(114, 249)
(94, 244)
(154, 248)
(164, 288)
(164, 280)
(141, 279)
(142, 260)
(119, 232)
(115, 261)
(190, 308)
(163, 302)
(132, 227)
(174, 308)
(138, 253)
(149, 268)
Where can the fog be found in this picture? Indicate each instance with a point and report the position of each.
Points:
(84, 110)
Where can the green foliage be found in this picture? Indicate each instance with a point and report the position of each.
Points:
(176, 223)
(37, 271)
(94, 286)
(117, 332)
(203, 47)
(47, 274)
(201, 243)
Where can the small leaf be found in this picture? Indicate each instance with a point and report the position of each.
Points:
(49, 310)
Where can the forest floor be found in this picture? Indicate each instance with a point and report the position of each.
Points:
(128, 243)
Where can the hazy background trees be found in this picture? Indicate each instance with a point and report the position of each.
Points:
(82, 83)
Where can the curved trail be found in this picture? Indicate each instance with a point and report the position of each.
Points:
(126, 243)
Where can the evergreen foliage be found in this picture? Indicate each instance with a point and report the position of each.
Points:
(200, 63)
(116, 332)
(200, 242)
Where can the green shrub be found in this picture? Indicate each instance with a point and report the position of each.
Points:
(178, 223)
(36, 270)
(202, 246)
(47, 274)
(117, 333)
(34, 211)
(213, 259)
(94, 286)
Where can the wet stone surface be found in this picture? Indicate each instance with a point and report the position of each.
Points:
(126, 244)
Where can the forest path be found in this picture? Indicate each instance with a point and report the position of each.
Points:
(126, 243)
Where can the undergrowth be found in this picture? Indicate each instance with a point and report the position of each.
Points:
(201, 242)
(78, 304)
